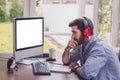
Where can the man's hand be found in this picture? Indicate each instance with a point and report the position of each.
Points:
(73, 65)
(78, 70)
(72, 44)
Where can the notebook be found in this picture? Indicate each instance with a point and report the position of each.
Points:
(60, 68)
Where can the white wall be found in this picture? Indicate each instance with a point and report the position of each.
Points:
(89, 11)
(57, 17)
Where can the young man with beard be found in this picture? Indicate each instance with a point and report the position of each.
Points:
(97, 59)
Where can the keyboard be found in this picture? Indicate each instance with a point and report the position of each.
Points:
(41, 68)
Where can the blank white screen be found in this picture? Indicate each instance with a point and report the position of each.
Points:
(29, 33)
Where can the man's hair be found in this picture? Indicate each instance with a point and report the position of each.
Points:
(80, 24)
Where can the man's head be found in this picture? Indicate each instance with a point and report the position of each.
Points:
(81, 28)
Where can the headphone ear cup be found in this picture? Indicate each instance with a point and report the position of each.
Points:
(87, 32)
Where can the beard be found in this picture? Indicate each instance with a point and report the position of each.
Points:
(80, 40)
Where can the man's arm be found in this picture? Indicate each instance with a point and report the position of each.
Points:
(66, 56)
(94, 63)
(72, 44)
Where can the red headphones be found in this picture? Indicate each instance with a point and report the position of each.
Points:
(87, 31)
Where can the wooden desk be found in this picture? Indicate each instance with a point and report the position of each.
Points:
(25, 73)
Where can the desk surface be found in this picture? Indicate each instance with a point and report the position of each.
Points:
(25, 73)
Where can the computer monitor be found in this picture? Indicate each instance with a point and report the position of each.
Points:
(28, 35)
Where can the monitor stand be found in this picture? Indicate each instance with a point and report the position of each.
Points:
(25, 61)
(29, 61)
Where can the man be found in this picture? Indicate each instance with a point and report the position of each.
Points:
(97, 59)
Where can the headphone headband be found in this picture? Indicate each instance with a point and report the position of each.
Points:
(87, 31)
(85, 22)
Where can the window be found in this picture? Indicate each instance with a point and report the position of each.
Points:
(9, 9)
(105, 19)
(118, 34)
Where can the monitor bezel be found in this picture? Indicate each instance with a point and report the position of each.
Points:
(30, 18)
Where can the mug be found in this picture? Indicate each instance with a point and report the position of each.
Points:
(52, 53)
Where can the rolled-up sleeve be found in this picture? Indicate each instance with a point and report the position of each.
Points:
(94, 62)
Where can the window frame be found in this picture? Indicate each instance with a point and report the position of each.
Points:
(28, 11)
